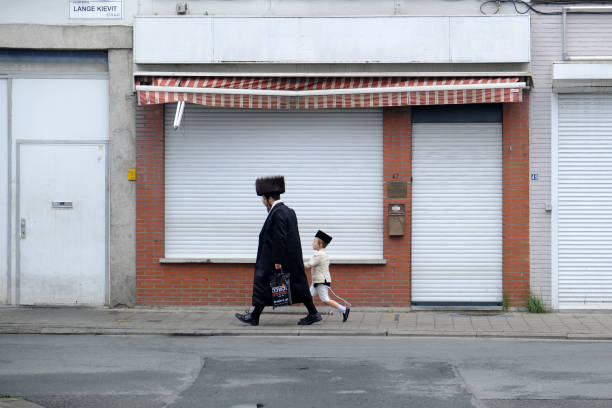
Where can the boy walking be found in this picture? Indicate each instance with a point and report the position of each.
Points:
(321, 278)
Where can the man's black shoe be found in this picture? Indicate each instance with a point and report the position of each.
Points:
(345, 314)
(247, 318)
(310, 319)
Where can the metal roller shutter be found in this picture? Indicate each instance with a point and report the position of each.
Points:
(584, 191)
(331, 160)
(457, 213)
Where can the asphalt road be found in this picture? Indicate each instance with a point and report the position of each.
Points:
(300, 372)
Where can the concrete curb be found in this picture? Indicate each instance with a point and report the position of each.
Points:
(298, 332)
(378, 322)
(17, 403)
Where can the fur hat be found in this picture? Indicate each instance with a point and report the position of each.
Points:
(270, 185)
(323, 237)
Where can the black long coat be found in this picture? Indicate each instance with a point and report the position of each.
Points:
(279, 243)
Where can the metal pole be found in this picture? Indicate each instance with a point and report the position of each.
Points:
(564, 52)
(178, 116)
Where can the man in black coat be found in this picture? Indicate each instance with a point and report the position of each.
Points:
(279, 247)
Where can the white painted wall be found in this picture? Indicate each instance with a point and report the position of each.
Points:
(545, 48)
(60, 109)
(54, 109)
(587, 35)
(582, 70)
(57, 11)
(392, 39)
(3, 191)
(319, 8)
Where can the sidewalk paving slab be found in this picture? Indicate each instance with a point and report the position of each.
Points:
(220, 321)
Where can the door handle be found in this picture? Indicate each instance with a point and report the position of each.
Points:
(23, 228)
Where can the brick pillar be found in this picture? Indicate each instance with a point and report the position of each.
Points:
(149, 197)
(397, 158)
(516, 202)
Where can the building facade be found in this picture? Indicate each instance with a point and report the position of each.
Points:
(410, 147)
(402, 130)
(67, 142)
(571, 141)
(456, 151)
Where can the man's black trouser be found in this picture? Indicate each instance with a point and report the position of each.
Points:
(309, 305)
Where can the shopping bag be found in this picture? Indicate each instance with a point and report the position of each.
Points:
(281, 292)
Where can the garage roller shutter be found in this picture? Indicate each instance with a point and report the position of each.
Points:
(457, 213)
(331, 160)
(585, 201)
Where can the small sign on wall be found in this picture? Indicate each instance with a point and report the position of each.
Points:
(101, 9)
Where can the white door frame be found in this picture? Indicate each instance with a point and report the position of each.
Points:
(554, 181)
(17, 235)
(7, 215)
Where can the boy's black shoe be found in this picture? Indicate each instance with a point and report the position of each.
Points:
(247, 318)
(310, 319)
(345, 314)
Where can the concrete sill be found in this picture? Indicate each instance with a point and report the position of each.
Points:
(371, 261)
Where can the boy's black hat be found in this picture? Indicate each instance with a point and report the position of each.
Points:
(323, 236)
(270, 185)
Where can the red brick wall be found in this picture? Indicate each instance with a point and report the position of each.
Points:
(362, 285)
(516, 201)
(225, 284)
(169, 284)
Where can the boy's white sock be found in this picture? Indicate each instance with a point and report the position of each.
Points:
(342, 308)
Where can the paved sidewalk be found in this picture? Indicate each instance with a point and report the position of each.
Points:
(220, 321)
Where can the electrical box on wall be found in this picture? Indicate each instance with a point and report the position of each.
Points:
(396, 218)
(181, 8)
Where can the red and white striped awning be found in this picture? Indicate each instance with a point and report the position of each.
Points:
(327, 92)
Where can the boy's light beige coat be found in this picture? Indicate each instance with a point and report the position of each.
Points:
(320, 267)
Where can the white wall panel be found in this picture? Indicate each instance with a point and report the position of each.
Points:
(392, 39)
(320, 8)
(546, 48)
(60, 109)
(474, 39)
(180, 46)
(573, 70)
(331, 160)
(457, 212)
(331, 40)
(4, 203)
(58, 12)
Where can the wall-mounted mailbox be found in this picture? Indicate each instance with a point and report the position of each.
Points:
(396, 218)
(397, 189)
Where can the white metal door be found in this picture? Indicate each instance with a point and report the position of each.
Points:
(457, 213)
(584, 202)
(62, 224)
